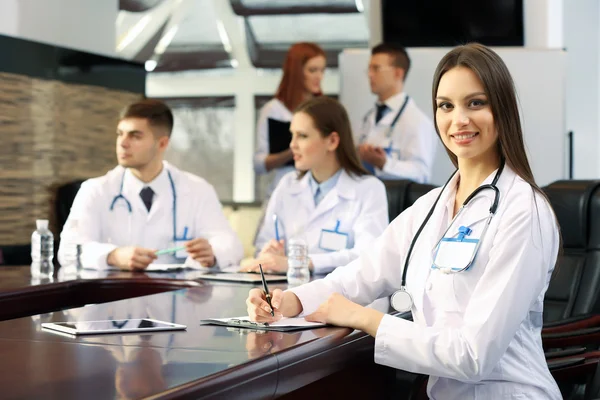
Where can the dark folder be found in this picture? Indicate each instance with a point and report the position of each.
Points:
(279, 137)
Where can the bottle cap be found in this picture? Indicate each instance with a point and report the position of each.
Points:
(41, 224)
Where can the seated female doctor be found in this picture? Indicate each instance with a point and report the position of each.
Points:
(471, 261)
(331, 202)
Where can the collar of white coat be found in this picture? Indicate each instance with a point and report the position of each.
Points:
(345, 186)
(395, 102)
(505, 181)
(160, 184)
(325, 186)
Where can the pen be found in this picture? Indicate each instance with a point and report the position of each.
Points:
(276, 227)
(167, 251)
(267, 295)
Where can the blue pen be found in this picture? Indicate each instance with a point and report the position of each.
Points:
(185, 231)
(337, 226)
(276, 227)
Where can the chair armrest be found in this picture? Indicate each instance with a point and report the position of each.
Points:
(565, 362)
(573, 351)
(573, 369)
(572, 338)
(572, 324)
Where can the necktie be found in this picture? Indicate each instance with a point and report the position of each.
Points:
(147, 194)
(318, 196)
(381, 109)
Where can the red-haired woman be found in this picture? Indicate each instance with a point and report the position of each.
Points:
(302, 74)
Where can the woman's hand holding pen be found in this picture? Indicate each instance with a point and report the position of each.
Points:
(285, 304)
(270, 262)
(274, 247)
(258, 308)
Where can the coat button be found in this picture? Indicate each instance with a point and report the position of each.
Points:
(429, 286)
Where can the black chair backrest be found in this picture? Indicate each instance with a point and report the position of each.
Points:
(18, 254)
(396, 191)
(417, 190)
(574, 287)
(65, 195)
(402, 194)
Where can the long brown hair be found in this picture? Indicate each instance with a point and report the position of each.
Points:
(328, 116)
(291, 88)
(500, 90)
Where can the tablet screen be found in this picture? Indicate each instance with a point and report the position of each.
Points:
(112, 326)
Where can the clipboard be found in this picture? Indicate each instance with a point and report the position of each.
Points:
(283, 325)
(279, 137)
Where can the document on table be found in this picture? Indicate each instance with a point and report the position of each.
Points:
(283, 325)
(156, 267)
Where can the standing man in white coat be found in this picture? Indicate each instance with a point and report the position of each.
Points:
(471, 261)
(145, 205)
(397, 139)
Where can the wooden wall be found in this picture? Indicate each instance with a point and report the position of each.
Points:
(51, 133)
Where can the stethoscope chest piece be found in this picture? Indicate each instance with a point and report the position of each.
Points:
(401, 300)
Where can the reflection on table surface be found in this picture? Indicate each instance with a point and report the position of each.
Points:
(20, 276)
(44, 364)
(140, 365)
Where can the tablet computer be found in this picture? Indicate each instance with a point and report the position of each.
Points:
(243, 277)
(136, 325)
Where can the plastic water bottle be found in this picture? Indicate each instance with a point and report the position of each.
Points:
(42, 250)
(298, 272)
(70, 246)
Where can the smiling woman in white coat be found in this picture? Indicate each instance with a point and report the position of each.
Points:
(474, 278)
(331, 203)
(145, 205)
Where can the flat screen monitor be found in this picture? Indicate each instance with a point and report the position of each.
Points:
(443, 23)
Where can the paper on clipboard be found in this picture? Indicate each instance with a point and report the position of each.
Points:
(164, 267)
(283, 325)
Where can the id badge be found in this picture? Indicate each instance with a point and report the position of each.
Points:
(453, 255)
(181, 254)
(333, 240)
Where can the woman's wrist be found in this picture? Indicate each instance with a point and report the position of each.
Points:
(367, 320)
(291, 304)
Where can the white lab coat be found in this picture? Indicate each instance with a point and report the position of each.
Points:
(101, 230)
(274, 109)
(413, 140)
(359, 203)
(476, 333)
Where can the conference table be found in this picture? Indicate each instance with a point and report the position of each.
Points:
(201, 362)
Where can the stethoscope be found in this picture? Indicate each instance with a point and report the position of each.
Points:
(388, 134)
(390, 128)
(130, 209)
(402, 300)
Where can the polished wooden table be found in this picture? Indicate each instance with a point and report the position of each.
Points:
(201, 362)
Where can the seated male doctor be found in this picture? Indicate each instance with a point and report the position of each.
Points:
(146, 206)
